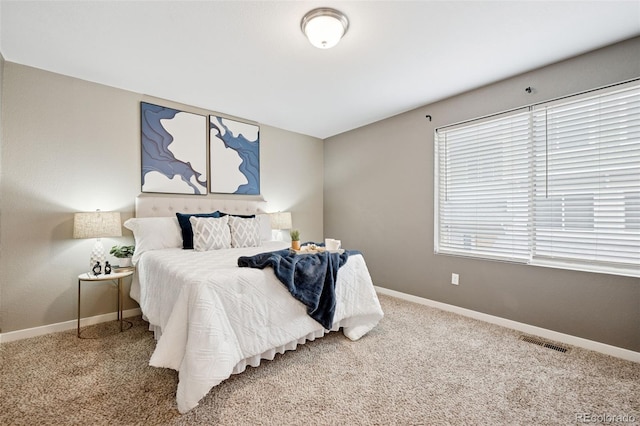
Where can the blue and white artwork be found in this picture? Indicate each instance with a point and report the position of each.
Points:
(234, 156)
(174, 150)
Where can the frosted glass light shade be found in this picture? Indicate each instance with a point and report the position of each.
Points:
(324, 27)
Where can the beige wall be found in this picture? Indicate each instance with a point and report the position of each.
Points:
(71, 145)
(1, 145)
(379, 199)
(68, 145)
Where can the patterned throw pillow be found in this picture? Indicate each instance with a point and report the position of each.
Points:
(210, 233)
(245, 232)
(187, 230)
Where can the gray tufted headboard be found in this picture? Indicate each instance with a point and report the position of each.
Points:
(157, 206)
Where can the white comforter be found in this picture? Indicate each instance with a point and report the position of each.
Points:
(216, 318)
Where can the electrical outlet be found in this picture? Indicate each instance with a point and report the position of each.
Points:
(455, 279)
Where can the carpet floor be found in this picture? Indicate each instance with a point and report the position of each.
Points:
(420, 366)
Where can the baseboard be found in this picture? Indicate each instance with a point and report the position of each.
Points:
(64, 326)
(514, 325)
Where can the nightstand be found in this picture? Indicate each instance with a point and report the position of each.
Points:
(117, 278)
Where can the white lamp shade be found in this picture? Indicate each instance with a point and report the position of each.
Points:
(281, 220)
(97, 225)
(324, 27)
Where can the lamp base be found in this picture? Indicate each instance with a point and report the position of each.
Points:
(278, 235)
(97, 258)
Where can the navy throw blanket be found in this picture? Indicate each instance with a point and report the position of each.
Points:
(310, 278)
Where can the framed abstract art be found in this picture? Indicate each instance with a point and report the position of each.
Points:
(174, 150)
(234, 157)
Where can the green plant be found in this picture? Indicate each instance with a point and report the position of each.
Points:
(122, 251)
(295, 235)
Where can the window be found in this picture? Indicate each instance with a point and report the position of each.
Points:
(557, 184)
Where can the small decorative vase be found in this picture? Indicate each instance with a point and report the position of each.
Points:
(295, 245)
(97, 269)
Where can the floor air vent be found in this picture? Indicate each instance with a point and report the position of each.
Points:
(544, 344)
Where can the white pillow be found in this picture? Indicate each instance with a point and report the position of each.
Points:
(154, 233)
(210, 233)
(245, 232)
(265, 227)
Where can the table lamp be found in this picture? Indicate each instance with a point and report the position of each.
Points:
(280, 221)
(96, 225)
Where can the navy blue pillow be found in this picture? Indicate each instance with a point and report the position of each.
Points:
(187, 230)
(244, 216)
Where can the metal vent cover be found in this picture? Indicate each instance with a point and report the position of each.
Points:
(539, 342)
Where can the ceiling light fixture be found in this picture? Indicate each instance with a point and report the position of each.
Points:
(324, 27)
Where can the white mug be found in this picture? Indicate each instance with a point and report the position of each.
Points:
(331, 244)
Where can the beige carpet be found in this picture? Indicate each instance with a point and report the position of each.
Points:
(419, 366)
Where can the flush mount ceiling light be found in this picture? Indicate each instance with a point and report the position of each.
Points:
(324, 27)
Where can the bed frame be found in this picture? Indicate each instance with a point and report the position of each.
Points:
(157, 205)
(357, 306)
(164, 206)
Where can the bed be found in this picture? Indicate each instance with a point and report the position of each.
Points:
(212, 318)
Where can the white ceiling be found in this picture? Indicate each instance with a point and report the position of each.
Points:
(250, 59)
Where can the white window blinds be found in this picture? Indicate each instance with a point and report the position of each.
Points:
(483, 192)
(558, 185)
(587, 179)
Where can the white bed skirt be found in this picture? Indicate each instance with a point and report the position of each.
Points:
(217, 319)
